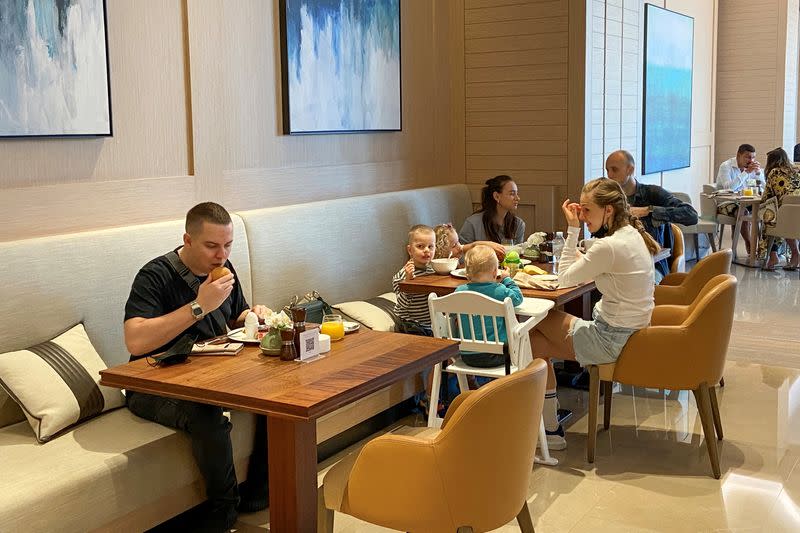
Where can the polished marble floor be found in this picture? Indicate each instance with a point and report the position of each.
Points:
(652, 471)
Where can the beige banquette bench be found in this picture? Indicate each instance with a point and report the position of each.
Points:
(116, 471)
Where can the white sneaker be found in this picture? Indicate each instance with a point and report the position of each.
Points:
(555, 440)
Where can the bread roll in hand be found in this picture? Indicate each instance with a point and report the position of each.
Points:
(219, 272)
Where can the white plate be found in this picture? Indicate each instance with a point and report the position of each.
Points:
(524, 262)
(461, 273)
(350, 327)
(238, 336)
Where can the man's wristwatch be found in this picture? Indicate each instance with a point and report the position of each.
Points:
(197, 311)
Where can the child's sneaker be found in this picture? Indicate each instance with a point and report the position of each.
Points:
(555, 439)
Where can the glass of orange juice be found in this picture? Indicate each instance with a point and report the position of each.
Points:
(747, 191)
(333, 326)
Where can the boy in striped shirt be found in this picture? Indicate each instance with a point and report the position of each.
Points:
(412, 309)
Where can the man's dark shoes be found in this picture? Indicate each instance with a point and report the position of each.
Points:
(253, 497)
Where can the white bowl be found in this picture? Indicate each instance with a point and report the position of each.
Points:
(444, 266)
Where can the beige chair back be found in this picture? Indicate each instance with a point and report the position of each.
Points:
(787, 224)
(475, 472)
(681, 357)
(712, 265)
(677, 261)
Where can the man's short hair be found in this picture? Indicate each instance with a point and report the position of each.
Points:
(419, 228)
(206, 212)
(744, 148)
(480, 260)
(628, 157)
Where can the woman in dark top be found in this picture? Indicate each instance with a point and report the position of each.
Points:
(496, 221)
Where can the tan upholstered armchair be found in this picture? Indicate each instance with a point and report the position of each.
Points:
(677, 258)
(471, 475)
(681, 288)
(686, 352)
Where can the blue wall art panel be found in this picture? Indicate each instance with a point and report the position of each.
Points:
(667, 123)
(340, 65)
(54, 68)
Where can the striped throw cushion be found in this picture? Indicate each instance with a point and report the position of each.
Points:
(56, 383)
(376, 313)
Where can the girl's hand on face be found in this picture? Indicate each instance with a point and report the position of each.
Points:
(571, 211)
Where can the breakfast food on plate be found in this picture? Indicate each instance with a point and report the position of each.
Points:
(533, 269)
(219, 272)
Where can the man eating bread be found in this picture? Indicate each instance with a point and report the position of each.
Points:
(192, 291)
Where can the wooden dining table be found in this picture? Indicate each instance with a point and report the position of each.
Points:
(293, 395)
(575, 300)
(753, 202)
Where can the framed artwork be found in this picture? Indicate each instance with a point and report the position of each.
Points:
(667, 110)
(340, 65)
(54, 77)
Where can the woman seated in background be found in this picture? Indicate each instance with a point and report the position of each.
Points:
(496, 221)
(621, 264)
(782, 178)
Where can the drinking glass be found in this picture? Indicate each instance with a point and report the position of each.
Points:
(333, 326)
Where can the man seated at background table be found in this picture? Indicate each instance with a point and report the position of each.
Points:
(173, 295)
(653, 205)
(734, 174)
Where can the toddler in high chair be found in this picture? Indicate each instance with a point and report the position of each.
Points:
(481, 265)
(447, 244)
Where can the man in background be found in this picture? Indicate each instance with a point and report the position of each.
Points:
(653, 205)
(734, 174)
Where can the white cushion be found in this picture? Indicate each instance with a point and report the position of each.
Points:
(369, 313)
(56, 383)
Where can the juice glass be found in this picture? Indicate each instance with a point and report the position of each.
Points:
(333, 326)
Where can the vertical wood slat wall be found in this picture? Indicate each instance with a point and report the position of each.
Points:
(516, 84)
(757, 76)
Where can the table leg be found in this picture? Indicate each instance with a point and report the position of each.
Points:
(292, 474)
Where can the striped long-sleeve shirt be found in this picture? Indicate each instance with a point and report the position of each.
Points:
(411, 306)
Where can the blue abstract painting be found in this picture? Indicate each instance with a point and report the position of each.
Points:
(667, 122)
(53, 68)
(341, 65)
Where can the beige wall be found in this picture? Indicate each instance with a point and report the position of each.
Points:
(522, 59)
(757, 65)
(616, 88)
(196, 107)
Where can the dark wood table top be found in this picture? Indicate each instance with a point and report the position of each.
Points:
(442, 284)
(360, 364)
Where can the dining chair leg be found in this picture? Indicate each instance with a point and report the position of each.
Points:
(594, 399)
(524, 519)
(324, 515)
(433, 401)
(706, 418)
(712, 242)
(721, 233)
(712, 392)
(607, 387)
(735, 232)
(463, 384)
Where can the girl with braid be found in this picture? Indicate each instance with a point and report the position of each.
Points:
(621, 265)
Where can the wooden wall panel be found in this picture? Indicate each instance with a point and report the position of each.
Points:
(196, 95)
(517, 71)
(756, 97)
